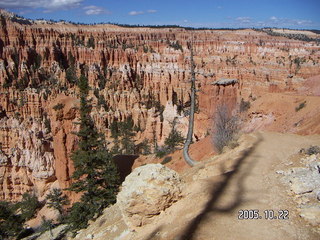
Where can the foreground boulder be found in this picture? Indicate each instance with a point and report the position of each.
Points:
(146, 192)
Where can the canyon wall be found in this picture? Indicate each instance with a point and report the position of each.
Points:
(138, 73)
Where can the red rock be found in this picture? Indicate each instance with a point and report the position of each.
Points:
(262, 64)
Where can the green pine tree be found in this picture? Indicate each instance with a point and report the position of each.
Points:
(11, 223)
(174, 139)
(56, 200)
(122, 133)
(95, 175)
(29, 206)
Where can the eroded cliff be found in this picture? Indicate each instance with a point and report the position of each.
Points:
(138, 73)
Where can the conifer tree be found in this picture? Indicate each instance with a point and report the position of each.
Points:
(122, 133)
(95, 175)
(11, 223)
(56, 200)
(174, 139)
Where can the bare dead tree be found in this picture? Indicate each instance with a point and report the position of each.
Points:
(188, 141)
(226, 126)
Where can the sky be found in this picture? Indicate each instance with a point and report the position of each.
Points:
(295, 14)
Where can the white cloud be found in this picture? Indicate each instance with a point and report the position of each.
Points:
(94, 10)
(47, 4)
(271, 22)
(303, 22)
(151, 11)
(273, 18)
(286, 22)
(135, 13)
(244, 19)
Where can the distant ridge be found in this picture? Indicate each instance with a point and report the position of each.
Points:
(26, 21)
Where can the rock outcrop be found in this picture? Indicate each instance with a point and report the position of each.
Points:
(146, 192)
(304, 182)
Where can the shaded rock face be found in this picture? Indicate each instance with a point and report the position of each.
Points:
(133, 72)
(146, 192)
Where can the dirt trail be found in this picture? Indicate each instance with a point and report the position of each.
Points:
(210, 208)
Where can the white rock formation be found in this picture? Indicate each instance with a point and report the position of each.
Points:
(146, 192)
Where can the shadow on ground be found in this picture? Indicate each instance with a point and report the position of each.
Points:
(217, 191)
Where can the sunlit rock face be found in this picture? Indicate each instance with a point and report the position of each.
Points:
(137, 73)
(146, 192)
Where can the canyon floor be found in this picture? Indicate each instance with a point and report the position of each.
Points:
(216, 189)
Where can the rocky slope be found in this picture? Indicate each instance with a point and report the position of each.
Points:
(249, 177)
(138, 73)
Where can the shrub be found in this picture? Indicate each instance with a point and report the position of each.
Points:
(71, 75)
(145, 49)
(102, 102)
(17, 115)
(244, 105)
(59, 106)
(7, 83)
(144, 147)
(47, 124)
(175, 45)
(161, 152)
(300, 106)
(79, 215)
(22, 83)
(166, 160)
(29, 206)
(46, 225)
(102, 82)
(90, 42)
(313, 150)
(225, 128)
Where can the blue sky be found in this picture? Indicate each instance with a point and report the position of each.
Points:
(300, 14)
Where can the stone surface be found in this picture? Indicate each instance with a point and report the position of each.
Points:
(146, 192)
(109, 225)
(305, 179)
(304, 182)
(311, 213)
(55, 234)
(27, 159)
